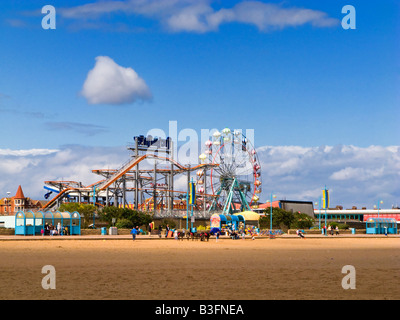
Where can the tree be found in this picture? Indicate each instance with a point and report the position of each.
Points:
(282, 219)
(86, 211)
(302, 221)
(122, 215)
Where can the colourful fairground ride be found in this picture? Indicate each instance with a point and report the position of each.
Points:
(234, 179)
(226, 181)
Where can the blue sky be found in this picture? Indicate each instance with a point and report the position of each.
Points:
(306, 83)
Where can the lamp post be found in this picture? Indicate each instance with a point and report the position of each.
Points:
(325, 193)
(270, 217)
(378, 206)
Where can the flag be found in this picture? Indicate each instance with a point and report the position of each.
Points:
(325, 199)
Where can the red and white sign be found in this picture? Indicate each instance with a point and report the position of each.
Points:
(383, 215)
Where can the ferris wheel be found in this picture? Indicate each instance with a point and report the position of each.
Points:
(234, 180)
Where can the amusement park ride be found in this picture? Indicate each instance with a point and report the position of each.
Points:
(226, 180)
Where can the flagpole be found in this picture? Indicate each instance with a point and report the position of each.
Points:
(187, 208)
(319, 216)
(193, 202)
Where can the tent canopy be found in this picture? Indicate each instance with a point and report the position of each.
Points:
(249, 215)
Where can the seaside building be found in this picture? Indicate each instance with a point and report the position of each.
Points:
(288, 205)
(354, 214)
(11, 205)
(332, 214)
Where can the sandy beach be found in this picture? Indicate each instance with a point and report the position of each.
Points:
(169, 269)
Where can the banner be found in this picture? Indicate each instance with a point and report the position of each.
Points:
(325, 199)
(192, 193)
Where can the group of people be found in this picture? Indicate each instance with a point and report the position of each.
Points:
(233, 234)
(167, 230)
(175, 232)
(50, 229)
(332, 230)
(135, 231)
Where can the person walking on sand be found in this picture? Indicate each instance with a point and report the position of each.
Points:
(134, 233)
(329, 229)
(159, 231)
(176, 234)
(337, 230)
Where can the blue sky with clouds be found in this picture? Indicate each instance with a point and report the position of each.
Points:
(286, 69)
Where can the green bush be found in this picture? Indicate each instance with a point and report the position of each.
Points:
(342, 226)
(302, 221)
(86, 211)
(171, 223)
(284, 220)
(124, 224)
(137, 218)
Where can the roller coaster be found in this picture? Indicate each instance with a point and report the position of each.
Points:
(159, 183)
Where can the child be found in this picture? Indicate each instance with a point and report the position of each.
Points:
(134, 233)
(299, 233)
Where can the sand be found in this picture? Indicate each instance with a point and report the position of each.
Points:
(169, 269)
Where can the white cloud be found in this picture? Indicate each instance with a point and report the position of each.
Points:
(27, 152)
(267, 16)
(354, 175)
(200, 16)
(109, 83)
(360, 174)
(30, 168)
